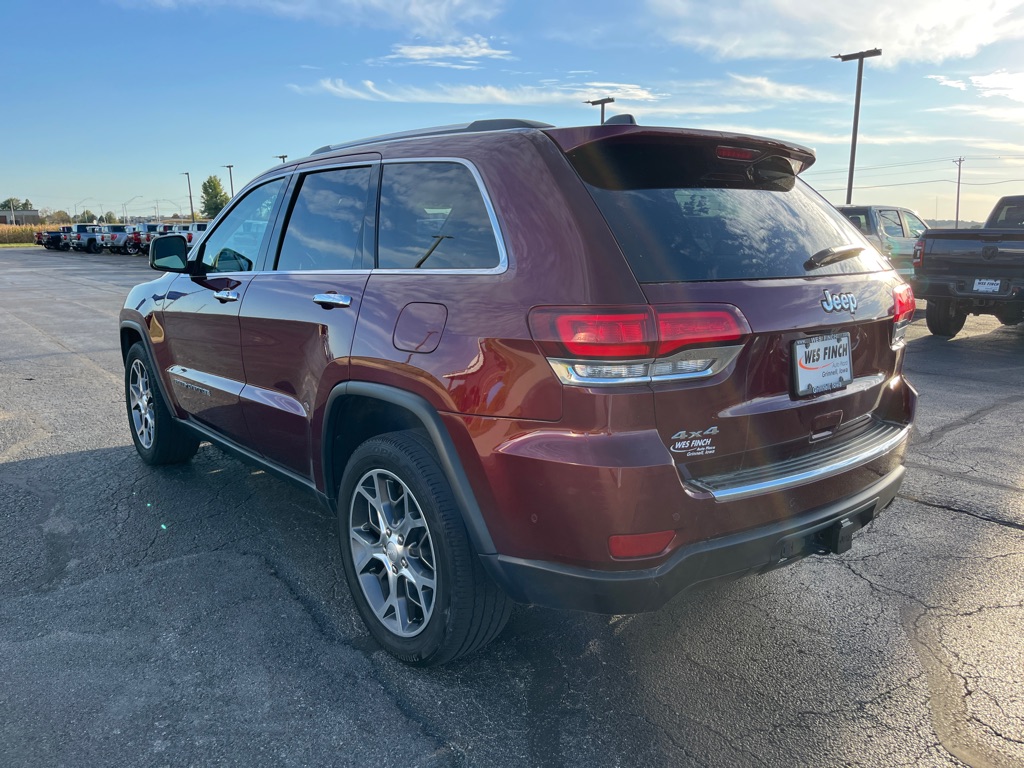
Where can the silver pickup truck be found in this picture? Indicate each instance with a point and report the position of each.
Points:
(892, 230)
(82, 237)
(116, 238)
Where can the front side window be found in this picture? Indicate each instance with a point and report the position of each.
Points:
(235, 244)
(433, 216)
(325, 227)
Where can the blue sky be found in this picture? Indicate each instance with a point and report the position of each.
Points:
(109, 100)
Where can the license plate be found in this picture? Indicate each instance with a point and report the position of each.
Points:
(986, 286)
(822, 363)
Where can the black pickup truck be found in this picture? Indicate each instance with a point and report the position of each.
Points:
(963, 272)
(51, 240)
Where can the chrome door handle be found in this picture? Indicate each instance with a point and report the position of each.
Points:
(332, 300)
(225, 296)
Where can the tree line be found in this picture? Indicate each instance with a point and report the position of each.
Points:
(213, 199)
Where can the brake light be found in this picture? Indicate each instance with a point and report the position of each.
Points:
(737, 153)
(903, 311)
(78, 237)
(595, 346)
(136, 238)
(919, 253)
(604, 335)
(190, 237)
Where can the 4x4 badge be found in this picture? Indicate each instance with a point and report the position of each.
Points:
(694, 443)
(839, 302)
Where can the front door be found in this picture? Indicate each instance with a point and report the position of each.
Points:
(200, 314)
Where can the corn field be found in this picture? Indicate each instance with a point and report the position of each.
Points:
(18, 234)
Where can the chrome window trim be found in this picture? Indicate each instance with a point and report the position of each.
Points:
(499, 239)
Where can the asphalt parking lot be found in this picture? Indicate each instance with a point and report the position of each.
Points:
(198, 615)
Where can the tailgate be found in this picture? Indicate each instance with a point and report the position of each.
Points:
(731, 430)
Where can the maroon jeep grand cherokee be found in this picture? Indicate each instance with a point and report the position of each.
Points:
(586, 367)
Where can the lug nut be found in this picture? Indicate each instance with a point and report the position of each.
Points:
(404, 564)
(401, 540)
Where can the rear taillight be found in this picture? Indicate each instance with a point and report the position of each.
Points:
(903, 311)
(594, 346)
(78, 237)
(190, 237)
(919, 253)
(136, 237)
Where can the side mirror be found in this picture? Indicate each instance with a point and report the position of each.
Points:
(169, 253)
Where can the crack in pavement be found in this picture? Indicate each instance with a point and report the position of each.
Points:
(958, 510)
(950, 718)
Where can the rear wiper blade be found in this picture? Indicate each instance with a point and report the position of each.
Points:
(832, 255)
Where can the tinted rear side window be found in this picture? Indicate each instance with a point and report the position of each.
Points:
(679, 214)
(433, 216)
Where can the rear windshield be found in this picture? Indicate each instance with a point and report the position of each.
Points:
(680, 214)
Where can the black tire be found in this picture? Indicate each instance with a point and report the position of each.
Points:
(465, 610)
(65, 247)
(944, 318)
(94, 247)
(131, 248)
(158, 437)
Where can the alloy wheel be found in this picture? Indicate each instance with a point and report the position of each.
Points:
(392, 553)
(141, 402)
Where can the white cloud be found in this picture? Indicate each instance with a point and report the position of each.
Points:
(942, 80)
(469, 48)
(763, 88)
(548, 93)
(1002, 83)
(441, 19)
(912, 30)
(1014, 115)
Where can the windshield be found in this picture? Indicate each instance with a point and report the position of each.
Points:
(679, 214)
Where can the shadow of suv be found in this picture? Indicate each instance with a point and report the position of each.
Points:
(586, 367)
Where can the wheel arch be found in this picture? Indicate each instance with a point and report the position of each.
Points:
(367, 409)
(132, 333)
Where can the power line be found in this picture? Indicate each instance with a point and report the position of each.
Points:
(932, 181)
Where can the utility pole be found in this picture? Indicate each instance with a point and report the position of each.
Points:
(14, 219)
(231, 179)
(601, 103)
(959, 163)
(856, 108)
(190, 206)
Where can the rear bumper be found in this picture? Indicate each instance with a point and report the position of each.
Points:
(568, 587)
(961, 288)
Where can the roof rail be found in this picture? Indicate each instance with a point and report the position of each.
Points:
(498, 124)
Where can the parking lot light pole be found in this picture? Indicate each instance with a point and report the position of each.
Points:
(282, 157)
(124, 208)
(190, 206)
(79, 203)
(231, 179)
(601, 103)
(856, 108)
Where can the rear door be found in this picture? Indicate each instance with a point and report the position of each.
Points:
(714, 238)
(298, 318)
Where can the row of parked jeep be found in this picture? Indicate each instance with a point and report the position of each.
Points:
(116, 238)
